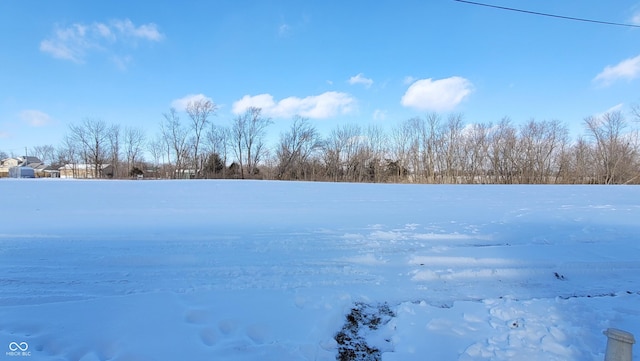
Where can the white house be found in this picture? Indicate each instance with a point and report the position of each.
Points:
(85, 171)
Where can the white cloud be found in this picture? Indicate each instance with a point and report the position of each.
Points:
(104, 31)
(35, 118)
(379, 114)
(181, 103)
(408, 80)
(613, 109)
(77, 40)
(627, 69)
(284, 29)
(437, 95)
(321, 106)
(361, 79)
(4, 135)
(635, 19)
(145, 32)
(69, 44)
(262, 101)
(122, 62)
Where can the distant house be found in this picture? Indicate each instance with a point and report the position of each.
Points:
(26, 163)
(30, 161)
(7, 163)
(46, 171)
(85, 171)
(186, 173)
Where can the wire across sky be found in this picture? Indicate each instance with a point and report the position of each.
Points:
(547, 14)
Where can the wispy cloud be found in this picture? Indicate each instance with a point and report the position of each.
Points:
(69, 43)
(77, 41)
(613, 109)
(379, 114)
(635, 19)
(291, 27)
(437, 95)
(148, 32)
(361, 79)
(35, 118)
(408, 80)
(122, 62)
(627, 69)
(321, 106)
(181, 103)
(284, 29)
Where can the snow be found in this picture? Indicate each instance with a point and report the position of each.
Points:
(256, 270)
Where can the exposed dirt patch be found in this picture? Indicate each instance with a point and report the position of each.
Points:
(360, 323)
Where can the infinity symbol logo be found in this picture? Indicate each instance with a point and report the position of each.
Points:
(22, 346)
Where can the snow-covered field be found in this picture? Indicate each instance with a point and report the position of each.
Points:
(256, 270)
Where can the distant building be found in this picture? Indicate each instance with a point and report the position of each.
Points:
(30, 161)
(46, 171)
(21, 171)
(7, 163)
(27, 164)
(85, 171)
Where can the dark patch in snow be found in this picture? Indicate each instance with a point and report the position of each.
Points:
(360, 322)
(559, 276)
(446, 305)
(597, 295)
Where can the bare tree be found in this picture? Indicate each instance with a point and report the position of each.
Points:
(503, 152)
(113, 135)
(134, 139)
(69, 153)
(248, 132)
(157, 149)
(341, 153)
(635, 112)
(217, 143)
(541, 144)
(428, 153)
(331, 153)
(175, 137)
(91, 136)
(418, 159)
(476, 152)
(199, 112)
(46, 153)
(578, 163)
(376, 149)
(400, 150)
(449, 146)
(615, 151)
(295, 148)
(433, 147)
(426, 147)
(357, 155)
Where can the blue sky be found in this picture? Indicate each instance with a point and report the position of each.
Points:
(335, 62)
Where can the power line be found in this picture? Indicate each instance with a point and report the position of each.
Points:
(548, 15)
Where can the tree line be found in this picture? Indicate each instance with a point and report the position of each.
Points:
(434, 148)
